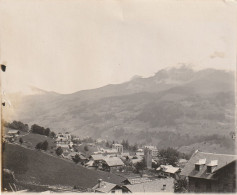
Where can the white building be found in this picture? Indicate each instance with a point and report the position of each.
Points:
(64, 140)
(153, 150)
(118, 147)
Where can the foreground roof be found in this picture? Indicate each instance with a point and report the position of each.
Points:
(153, 186)
(222, 159)
(138, 180)
(104, 187)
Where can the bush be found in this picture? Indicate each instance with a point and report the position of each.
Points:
(76, 158)
(181, 185)
(86, 148)
(42, 145)
(40, 130)
(21, 140)
(59, 151)
(140, 166)
(169, 156)
(52, 134)
(38, 146)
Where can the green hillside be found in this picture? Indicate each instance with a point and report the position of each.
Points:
(35, 167)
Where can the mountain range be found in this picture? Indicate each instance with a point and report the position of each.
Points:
(175, 102)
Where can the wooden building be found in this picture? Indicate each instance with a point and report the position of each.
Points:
(208, 172)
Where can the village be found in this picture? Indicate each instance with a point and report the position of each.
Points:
(143, 168)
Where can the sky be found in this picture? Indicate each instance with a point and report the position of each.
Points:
(71, 45)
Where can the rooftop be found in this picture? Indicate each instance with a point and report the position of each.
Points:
(168, 168)
(13, 131)
(113, 161)
(105, 187)
(211, 158)
(117, 145)
(153, 186)
(98, 157)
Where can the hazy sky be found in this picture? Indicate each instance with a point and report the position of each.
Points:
(70, 45)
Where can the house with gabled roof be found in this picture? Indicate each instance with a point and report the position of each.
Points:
(13, 133)
(112, 163)
(106, 187)
(168, 171)
(158, 185)
(209, 172)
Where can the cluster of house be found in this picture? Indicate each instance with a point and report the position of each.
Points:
(11, 135)
(134, 185)
(64, 140)
(204, 172)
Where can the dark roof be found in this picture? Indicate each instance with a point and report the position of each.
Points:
(222, 159)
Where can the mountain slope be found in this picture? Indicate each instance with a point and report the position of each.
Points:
(176, 100)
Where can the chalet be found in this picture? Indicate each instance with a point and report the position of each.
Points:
(13, 133)
(97, 157)
(106, 187)
(112, 163)
(168, 171)
(208, 172)
(8, 138)
(159, 185)
(82, 157)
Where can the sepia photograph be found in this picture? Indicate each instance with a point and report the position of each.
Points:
(118, 96)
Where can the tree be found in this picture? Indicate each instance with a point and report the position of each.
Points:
(47, 131)
(108, 145)
(44, 145)
(52, 134)
(21, 140)
(125, 144)
(86, 148)
(169, 156)
(76, 158)
(134, 148)
(40, 130)
(59, 151)
(181, 185)
(17, 125)
(140, 166)
(38, 146)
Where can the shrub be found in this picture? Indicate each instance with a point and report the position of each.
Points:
(59, 151)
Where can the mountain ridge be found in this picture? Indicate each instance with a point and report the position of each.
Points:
(178, 100)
